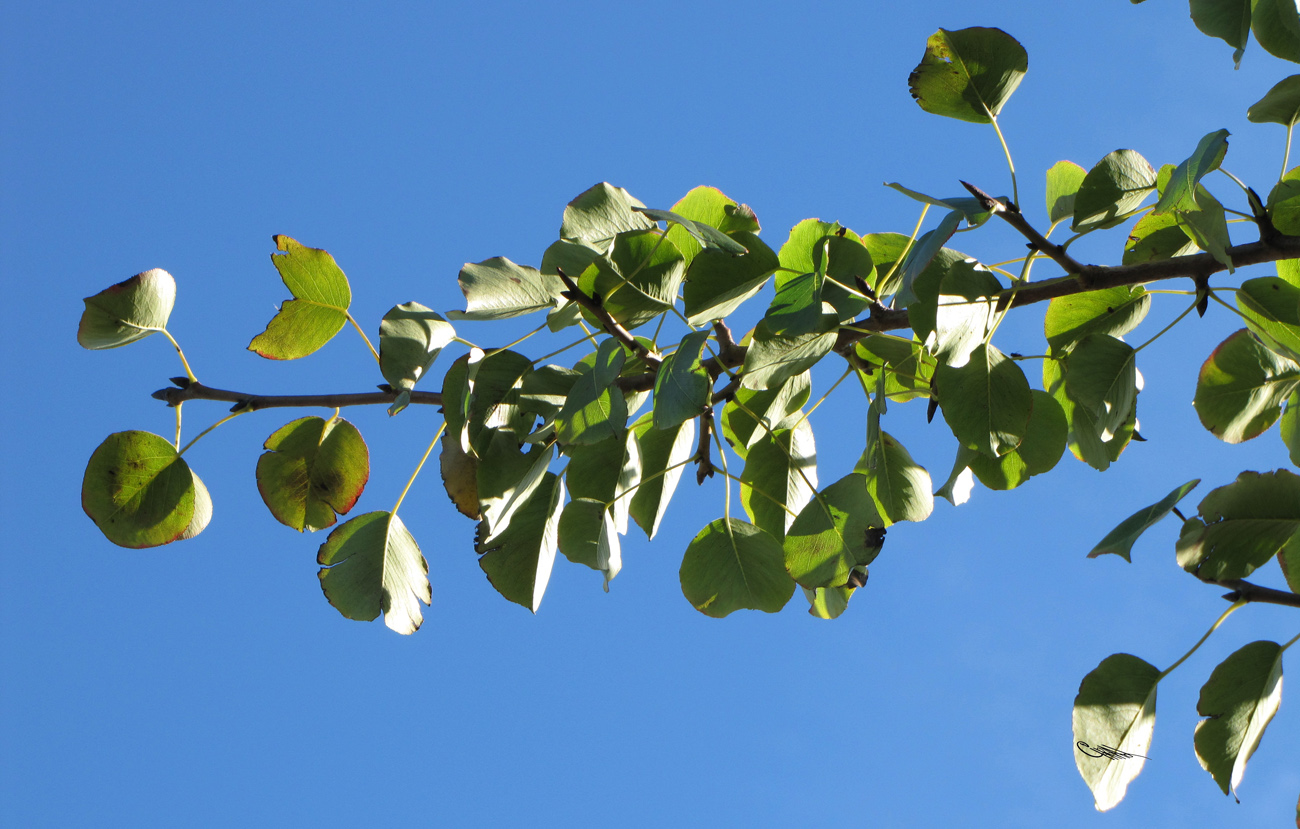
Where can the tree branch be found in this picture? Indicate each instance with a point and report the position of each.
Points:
(607, 321)
(1037, 241)
(185, 390)
(1245, 591)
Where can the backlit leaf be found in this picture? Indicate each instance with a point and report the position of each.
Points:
(682, 385)
(1113, 188)
(732, 565)
(1181, 192)
(780, 476)
(1044, 443)
(1271, 307)
(313, 469)
(898, 485)
(985, 402)
(1063, 181)
(1281, 105)
(1119, 541)
(718, 283)
(775, 408)
(968, 74)
(1276, 27)
(318, 310)
(836, 531)
(1156, 237)
(1101, 375)
(639, 279)
(771, 360)
(138, 490)
(1113, 311)
(595, 408)
(1241, 388)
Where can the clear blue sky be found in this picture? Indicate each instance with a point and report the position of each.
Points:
(208, 683)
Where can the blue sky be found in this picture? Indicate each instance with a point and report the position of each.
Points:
(208, 683)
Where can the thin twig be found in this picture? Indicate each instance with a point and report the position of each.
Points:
(185, 390)
(1037, 241)
(606, 320)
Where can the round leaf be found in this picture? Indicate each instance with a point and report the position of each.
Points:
(968, 74)
(1240, 699)
(1241, 388)
(139, 491)
(985, 402)
(1281, 105)
(732, 565)
(1113, 188)
(314, 468)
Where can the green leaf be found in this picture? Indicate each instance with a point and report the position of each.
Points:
(318, 310)
(1271, 307)
(501, 472)
(1119, 541)
(1039, 452)
(502, 503)
(639, 279)
(827, 602)
(139, 491)
(1284, 211)
(718, 283)
(1240, 699)
(1115, 708)
(886, 249)
(838, 259)
(1225, 19)
(1156, 237)
(1207, 226)
(371, 564)
(775, 408)
(313, 469)
(907, 365)
(459, 476)
(928, 258)
(1101, 375)
(797, 308)
(1112, 311)
(1112, 189)
(985, 402)
(968, 74)
(581, 524)
(410, 338)
(780, 476)
(600, 213)
(1291, 428)
(518, 561)
(1241, 388)
(835, 532)
(1085, 440)
(595, 408)
(497, 289)
(964, 309)
(972, 209)
(704, 235)
(1277, 28)
(1281, 105)
(593, 469)
(898, 485)
(1063, 181)
(481, 395)
(130, 310)
(771, 359)
(1181, 192)
(1243, 525)
(682, 385)
(711, 207)
(663, 455)
(544, 391)
(732, 565)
